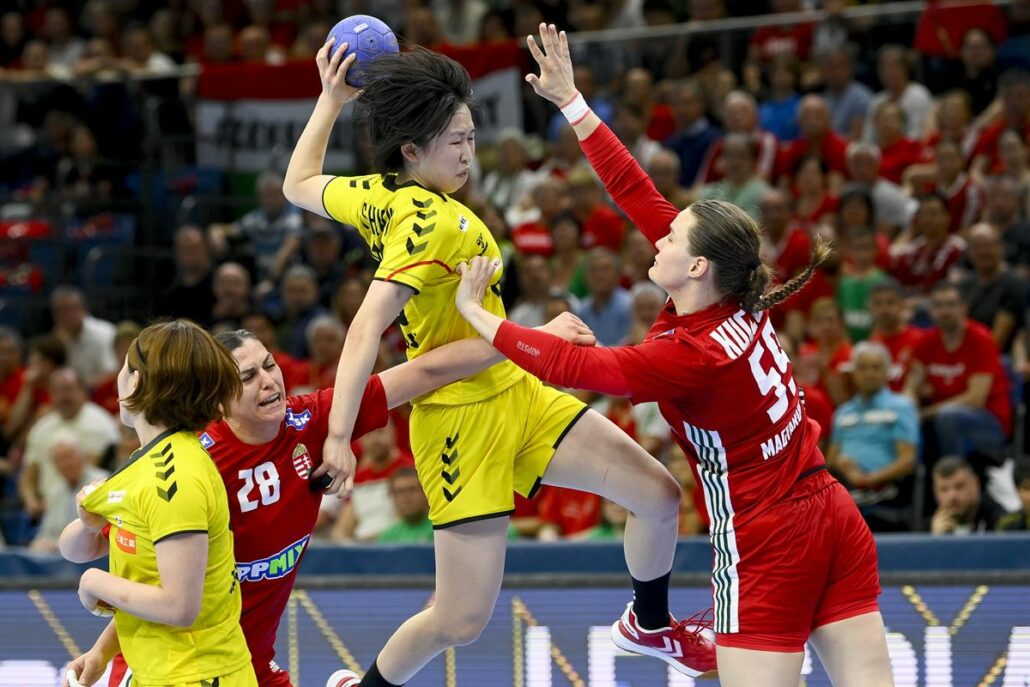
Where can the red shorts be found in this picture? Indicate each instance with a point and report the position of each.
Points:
(807, 561)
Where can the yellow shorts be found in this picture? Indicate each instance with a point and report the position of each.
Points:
(470, 458)
(244, 677)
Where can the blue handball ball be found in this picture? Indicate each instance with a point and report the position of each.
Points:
(368, 37)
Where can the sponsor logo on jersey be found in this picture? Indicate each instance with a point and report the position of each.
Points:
(116, 496)
(302, 461)
(297, 420)
(275, 566)
(463, 223)
(125, 540)
(206, 441)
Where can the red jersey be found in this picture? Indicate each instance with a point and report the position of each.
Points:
(765, 145)
(10, 387)
(965, 200)
(968, 144)
(922, 265)
(833, 150)
(827, 206)
(571, 510)
(988, 144)
(533, 238)
(604, 227)
(898, 156)
(901, 346)
(271, 508)
(948, 372)
(790, 254)
(772, 41)
(719, 376)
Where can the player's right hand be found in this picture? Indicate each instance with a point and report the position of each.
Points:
(569, 327)
(555, 82)
(89, 519)
(88, 669)
(338, 462)
(332, 69)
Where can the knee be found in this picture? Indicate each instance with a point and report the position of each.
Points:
(463, 631)
(663, 497)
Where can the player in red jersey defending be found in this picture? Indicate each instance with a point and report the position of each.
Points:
(264, 451)
(794, 561)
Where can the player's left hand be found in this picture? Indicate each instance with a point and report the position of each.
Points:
(569, 327)
(476, 276)
(90, 601)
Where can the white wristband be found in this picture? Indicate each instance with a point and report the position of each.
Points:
(576, 109)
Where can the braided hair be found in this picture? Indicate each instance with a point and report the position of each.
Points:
(731, 240)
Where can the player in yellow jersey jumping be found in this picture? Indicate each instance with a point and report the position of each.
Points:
(477, 440)
(164, 520)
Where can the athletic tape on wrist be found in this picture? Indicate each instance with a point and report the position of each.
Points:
(576, 109)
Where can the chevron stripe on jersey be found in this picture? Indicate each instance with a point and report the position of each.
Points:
(713, 469)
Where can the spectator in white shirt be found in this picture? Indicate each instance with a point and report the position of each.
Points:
(89, 340)
(913, 98)
(73, 471)
(92, 428)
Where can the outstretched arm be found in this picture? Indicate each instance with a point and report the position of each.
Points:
(304, 180)
(628, 184)
(543, 355)
(465, 358)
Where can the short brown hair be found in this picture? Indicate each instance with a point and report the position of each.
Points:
(187, 379)
(951, 465)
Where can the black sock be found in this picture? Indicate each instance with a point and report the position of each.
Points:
(373, 678)
(650, 602)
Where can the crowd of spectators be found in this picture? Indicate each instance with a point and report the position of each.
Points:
(909, 344)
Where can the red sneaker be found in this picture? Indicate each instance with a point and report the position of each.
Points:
(682, 645)
(343, 678)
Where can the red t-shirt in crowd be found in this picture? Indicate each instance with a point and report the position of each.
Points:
(828, 206)
(604, 227)
(791, 253)
(533, 238)
(771, 41)
(572, 511)
(899, 156)
(833, 150)
(901, 346)
(921, 265)
(948, 372)
(661, 125)
(10, 387)
(988, 144)
(965, 201)
(766, 149)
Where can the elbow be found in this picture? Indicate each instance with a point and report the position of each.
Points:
(290, 191)
(185, 612)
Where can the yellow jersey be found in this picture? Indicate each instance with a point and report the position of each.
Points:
(168, 487)
(419, 237)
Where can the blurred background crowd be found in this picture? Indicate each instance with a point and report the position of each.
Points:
(899, 134)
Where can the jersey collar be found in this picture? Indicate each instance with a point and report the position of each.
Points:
(700, 320)
(144, 450)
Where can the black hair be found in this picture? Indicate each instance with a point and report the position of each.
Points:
(234, 339)
(410, 97)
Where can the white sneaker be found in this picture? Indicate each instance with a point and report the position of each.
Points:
(343, 678)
